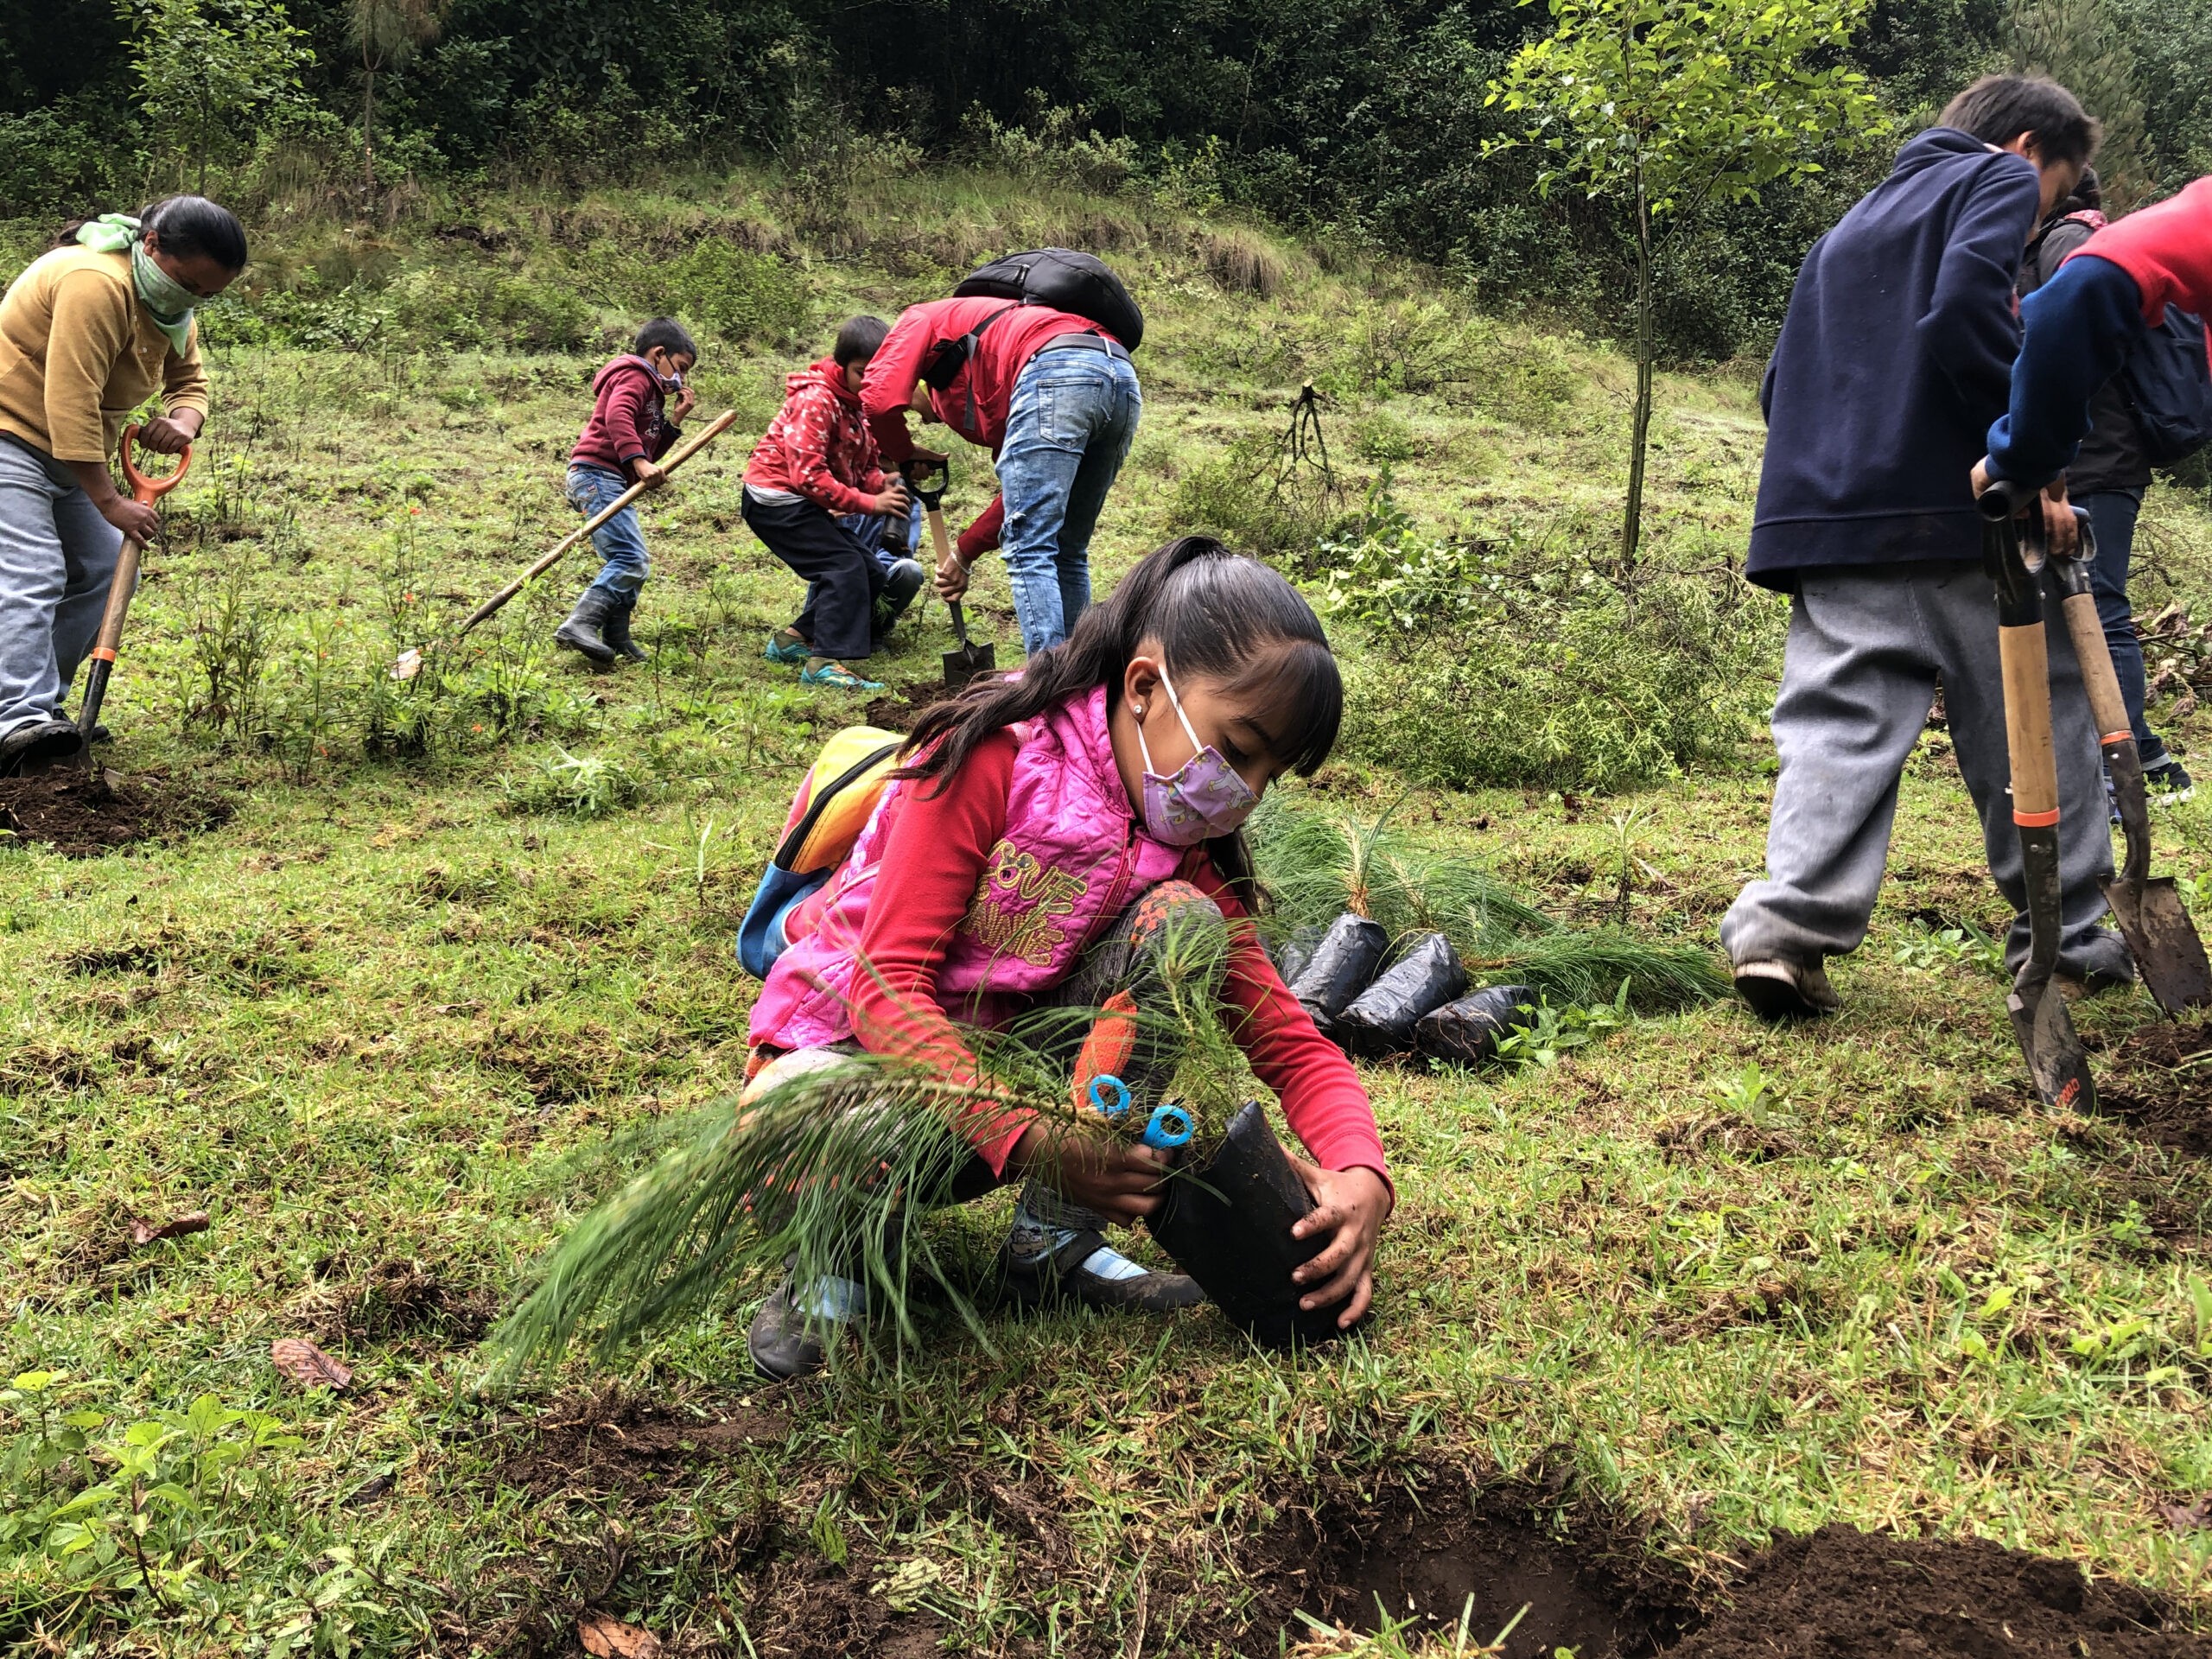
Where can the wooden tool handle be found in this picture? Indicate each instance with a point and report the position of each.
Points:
(939, 540)
(119, 590)
(2026, 661)
(2106, 706)
(676, 457)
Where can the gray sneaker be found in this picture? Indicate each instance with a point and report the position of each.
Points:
(1088, 1269)
(788, 1340)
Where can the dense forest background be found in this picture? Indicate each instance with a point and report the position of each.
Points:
(1358, 119)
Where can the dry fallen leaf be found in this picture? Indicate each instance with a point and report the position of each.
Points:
(607, 1638)
(307, 1365)
(2187, 1517)
(144, 1232)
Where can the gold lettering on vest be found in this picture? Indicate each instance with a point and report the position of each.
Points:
(1018, 906)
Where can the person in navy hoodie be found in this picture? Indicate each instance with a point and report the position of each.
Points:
(1894, 358)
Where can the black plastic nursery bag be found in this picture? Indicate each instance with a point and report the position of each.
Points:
(1380, 1020)
(1227, 1224)
(1341, 966)
(1467, 1031)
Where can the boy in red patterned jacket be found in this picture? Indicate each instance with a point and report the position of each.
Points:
(814, 466)
(633, 424)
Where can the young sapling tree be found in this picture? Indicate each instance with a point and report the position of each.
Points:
(1667, 106)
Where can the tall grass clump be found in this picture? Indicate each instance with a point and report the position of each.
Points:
(1315, 866)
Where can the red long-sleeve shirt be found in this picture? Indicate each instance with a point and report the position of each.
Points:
(626, 423)
(934, 860)
(974, 403)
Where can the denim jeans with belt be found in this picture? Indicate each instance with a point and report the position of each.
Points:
(620, 542)
(1069, 426)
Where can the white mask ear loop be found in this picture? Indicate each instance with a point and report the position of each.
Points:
(1176, 703)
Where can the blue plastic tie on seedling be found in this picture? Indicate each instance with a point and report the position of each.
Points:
(1108, 1080)
(1170, 1128)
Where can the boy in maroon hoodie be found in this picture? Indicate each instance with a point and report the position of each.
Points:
(631, 426)
(816, 466)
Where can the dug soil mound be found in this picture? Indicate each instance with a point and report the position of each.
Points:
(1564, 1574)
(1448, 1553)
(2162, 1087)
(609, 1441)
(901, 706)
(1845, 1594)
(84, 814)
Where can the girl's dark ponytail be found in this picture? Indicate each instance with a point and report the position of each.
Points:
(1216, 614)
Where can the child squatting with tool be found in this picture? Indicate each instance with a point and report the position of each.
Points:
(631, 426)
(90, 331)
(816, 492)
(1048, 836)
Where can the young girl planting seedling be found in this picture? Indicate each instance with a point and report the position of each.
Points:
(1034, 964)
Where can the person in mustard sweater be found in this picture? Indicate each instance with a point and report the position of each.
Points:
(88, 333)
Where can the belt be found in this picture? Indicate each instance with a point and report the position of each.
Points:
(1088, 342)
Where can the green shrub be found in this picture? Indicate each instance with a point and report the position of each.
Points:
(740, 295)
(1488, 665)
(439, 306)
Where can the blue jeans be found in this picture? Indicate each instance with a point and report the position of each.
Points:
(867, 530)
(1068, 430)
(2112, 516)
(620, 542)
(57, 558)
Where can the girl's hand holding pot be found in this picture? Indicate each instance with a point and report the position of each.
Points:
(1352, 1204)
(1119, 1181)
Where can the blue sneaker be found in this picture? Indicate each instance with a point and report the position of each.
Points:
(837, 674)
(797, 651)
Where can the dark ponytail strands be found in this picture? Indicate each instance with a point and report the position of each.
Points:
(1218, 615)
(193, 227)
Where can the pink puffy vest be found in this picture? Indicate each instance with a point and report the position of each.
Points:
(1071, 858)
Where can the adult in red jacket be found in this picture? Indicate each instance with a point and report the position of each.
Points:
(1053, 396)
(2079, 327)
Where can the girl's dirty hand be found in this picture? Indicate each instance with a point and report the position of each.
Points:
(1352, 1204)
(1119, 1181)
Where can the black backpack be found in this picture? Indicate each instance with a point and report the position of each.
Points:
(2169, 382)
(1060, 278)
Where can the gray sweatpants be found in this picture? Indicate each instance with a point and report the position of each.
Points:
(57, 556)
(1858, 673)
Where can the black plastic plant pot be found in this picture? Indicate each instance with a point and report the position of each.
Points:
(1227, 1224)
(1341, 966)
(1381, 1019)
(1467, 1031)
(1293, 954)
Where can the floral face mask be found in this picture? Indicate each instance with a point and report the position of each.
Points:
(1203, 799)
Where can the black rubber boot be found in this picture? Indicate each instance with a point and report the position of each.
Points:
(581, 632)
(36, 743)
(616, 630)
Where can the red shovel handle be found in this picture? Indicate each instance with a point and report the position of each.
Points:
(150, 490)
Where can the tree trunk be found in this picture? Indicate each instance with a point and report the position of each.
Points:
(369, 123)
(1640, 429)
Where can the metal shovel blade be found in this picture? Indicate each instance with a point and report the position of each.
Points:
(2168, 953)
(968, 663)
(2056, 1062)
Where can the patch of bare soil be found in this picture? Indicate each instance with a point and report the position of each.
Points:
(1845, 1594)
(84, 814)
(809, 1610)
(2161, 1086)
(901, 706)
(391, 1299)
(611, 1442)
(1449, 1551)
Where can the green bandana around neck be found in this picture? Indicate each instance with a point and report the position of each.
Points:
(168, 301)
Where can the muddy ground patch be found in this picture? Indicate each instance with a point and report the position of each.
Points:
(84, 814)
(2160, 1085)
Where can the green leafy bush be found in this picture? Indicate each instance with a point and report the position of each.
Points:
(441, 306)
(740, 295)
(1491, 664)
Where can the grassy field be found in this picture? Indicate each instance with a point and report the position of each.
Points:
(461, 945)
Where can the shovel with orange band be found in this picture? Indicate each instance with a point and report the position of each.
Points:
(145, 490)
(2148, 908)
(2040, 1021)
